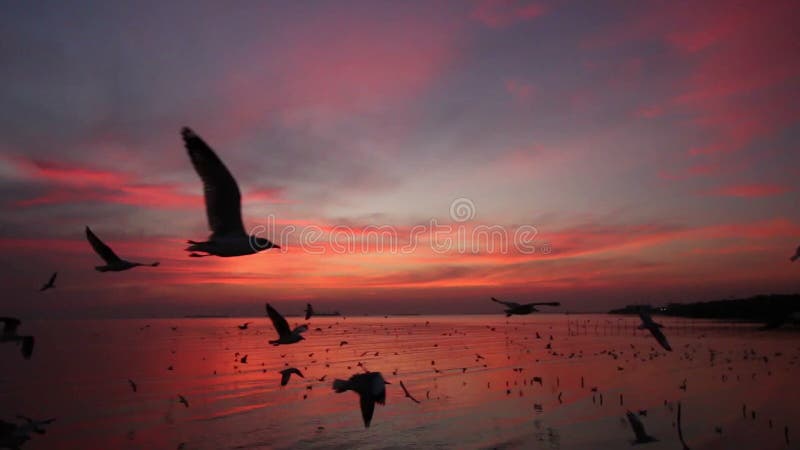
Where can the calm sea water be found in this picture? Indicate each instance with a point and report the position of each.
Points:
(79, 372)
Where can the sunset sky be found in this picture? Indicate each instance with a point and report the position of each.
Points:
(653, 146)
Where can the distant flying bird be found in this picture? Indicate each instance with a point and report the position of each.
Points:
(223, 205)
(638, 429)
(285, 335)
(655, 329)
(10, 325)
(182, 399)
(50, 283)
(287, 373)
(15, 435)
(796, 255)
(244, 325)
(133, 385)
(408, 394)
(370, 388)
(113, 262)
(309, 311)
(522, 309)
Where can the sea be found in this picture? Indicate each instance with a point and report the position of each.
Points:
(549, 381)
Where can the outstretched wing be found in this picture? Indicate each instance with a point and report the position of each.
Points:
(509, 304)
(280, 324)
(659, 335)
(100, 248)
(223, 200)
(10, 325)
(638, 427)
(408, 394)
(367, 409)
(53, 278)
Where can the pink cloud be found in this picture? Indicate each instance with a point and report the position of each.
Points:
(502, 13)
(749, 190)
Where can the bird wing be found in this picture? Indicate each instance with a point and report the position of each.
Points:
(637, 426)
(659, 335)
(509, 304)
(101, 249)
(309, 311)
(300, 329)
(408, 394)
(223, 199)
(285, 375)
(367, 409)
(10, 325)
(53, 278)
(280, 324)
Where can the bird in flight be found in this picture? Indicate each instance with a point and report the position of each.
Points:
(285, 335)
(655, 329)
(522, 309)
(244, 325)
(182, 399)
(371, 389)
(408, 394)
(223, 205)
(113, 262)
(10, 325)
(638, 429)
(133, 385)
(287, 373)
(50, 283)
(309, 311)
(796, 255)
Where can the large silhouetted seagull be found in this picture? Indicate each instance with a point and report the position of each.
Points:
(655, 329)
(14, 435)
(51, 283)
(370, 388)
(113, 262)
(638, 429)
(287, 373)
(223, 205)
(796, 255)
(522, 309)
(10, 325)
(285, 335)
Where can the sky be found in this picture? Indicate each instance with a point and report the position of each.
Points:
(407, 156)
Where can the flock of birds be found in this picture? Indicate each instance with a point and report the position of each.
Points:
(229, 238)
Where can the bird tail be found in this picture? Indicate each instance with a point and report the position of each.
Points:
(340, 385)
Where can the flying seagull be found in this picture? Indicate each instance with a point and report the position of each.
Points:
(655, 329)
(287, 373)
(223, 205)
(309, 311)
(638, 429)
(133, 385)
(244, 325)
(285, 335)
(522, 309)
(50, 283)
(113, 262)
(15, 435)
(407, 394)
(796, 255)
(182, 399)
(10, 325)
(370, 388)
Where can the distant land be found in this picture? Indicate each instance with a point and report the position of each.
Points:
(761, 308)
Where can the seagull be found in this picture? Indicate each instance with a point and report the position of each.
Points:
(309, 311)
(244, 325)
(520, 309)
(133, 385)
(14, 436)
(287, 373)
(796, 255)
(655, 329)
(638, 429)
(370, 387)
(285, 336)
(113, 262)
(10, 325)
(50, 283)
(408, 394)
(223, 205)
(182, 399)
